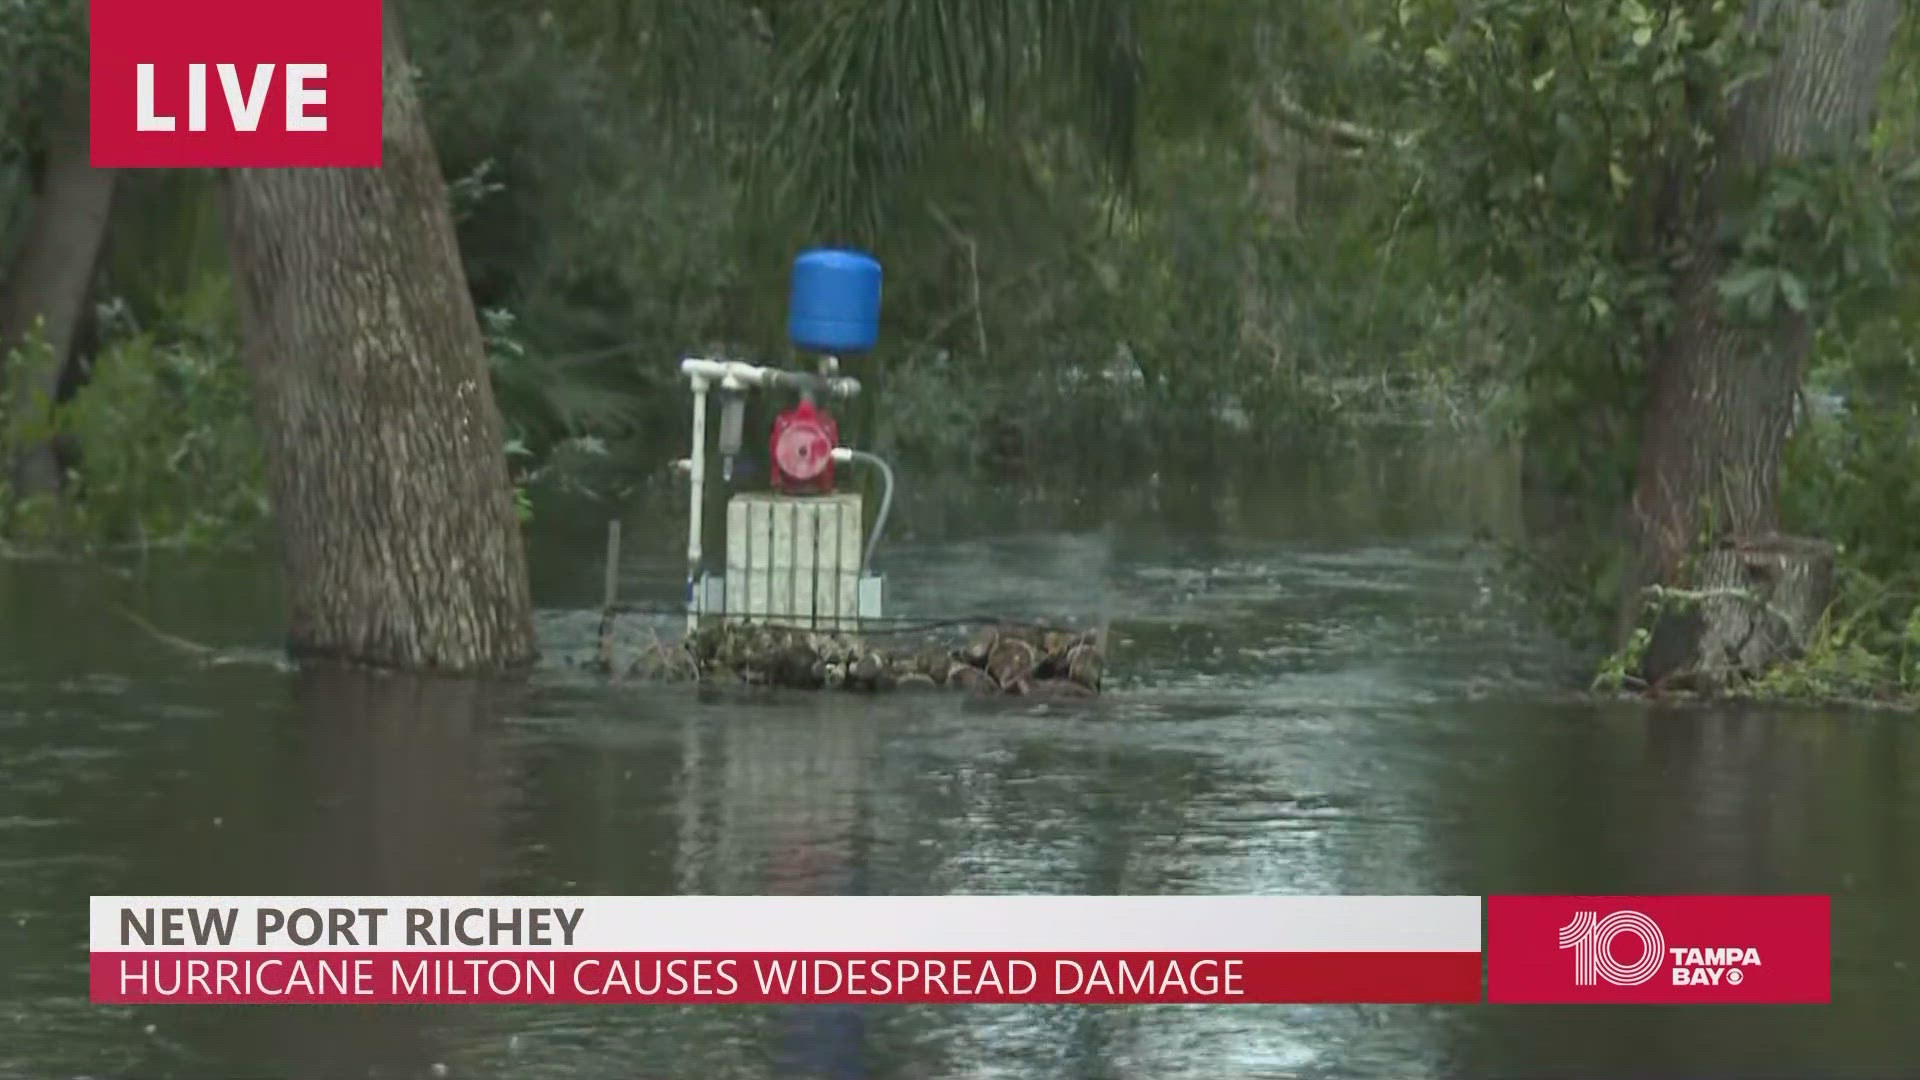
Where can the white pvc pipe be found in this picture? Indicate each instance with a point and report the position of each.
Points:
(698, 473)
(731, 374)
(754, 375)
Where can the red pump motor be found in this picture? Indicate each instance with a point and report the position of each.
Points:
(803, 442)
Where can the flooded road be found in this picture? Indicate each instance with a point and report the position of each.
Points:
(1322, 686)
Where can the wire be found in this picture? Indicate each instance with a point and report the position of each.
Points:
(886, 503)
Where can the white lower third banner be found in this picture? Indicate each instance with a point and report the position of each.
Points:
(787, 949)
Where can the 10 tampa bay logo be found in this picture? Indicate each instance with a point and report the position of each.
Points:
(1598, 945)
(1659, 950)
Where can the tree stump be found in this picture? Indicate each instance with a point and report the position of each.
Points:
(1754, 602)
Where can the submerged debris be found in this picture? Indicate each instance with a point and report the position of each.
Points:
(1001, 660)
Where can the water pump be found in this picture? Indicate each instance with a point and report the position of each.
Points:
(804, 439)
(794, 555)
(834, 310)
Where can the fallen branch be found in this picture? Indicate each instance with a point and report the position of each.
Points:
(1660, 595)
(1344, 134)
(194, 648)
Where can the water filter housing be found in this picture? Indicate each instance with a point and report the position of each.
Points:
(835, 305)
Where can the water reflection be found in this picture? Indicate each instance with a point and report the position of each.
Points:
(775, 801)
(380, 785)
(406, 786)
(407, 780)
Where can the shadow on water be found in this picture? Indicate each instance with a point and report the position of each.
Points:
(1318, 694)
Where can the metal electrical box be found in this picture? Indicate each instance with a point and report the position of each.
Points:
(793, 561)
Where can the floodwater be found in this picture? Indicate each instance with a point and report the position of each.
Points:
(1321, 687)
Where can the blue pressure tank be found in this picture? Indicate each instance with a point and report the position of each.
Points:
(835, 307)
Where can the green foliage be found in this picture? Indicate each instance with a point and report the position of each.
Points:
(1567, 152)
(42, 46)
(1853, 474)
(27, 419)
(884, 85)
(160, 444)
(1116, 232)
(549, 407)
(167, 449)
(41, 42)
(1562, 152)
(1809, 236)
(622, 234)
(1864, 656)
(1569, 145)
(1616, 672)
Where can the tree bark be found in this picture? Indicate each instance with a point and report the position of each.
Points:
(50, 278)
(1723, 390)
(1278, 151)
(1754, 602)
(384, 449)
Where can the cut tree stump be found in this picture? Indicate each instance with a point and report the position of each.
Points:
(1753, 603)
(1003, 660)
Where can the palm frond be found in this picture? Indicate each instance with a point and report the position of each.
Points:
(680, 55)
(874, 85)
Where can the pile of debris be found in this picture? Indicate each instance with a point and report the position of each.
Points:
(1002, 660)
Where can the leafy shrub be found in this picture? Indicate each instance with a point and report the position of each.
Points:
(167, 449)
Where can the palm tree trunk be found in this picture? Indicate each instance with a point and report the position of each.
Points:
(383, 445)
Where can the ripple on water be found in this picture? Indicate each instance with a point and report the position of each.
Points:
(98, 683)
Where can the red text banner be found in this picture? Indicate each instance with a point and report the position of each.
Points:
(315, 978)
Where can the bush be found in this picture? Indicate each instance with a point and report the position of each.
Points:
(167, 450)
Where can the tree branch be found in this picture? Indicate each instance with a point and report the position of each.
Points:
(1343, 134)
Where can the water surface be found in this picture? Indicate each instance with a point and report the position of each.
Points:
(1322, 687)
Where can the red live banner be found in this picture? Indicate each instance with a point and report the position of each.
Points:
(1659, 950)
(234, 83)
(312, 978)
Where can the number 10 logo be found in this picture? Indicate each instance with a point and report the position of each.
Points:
(1591, 939)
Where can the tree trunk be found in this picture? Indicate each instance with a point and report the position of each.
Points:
(1722, 389)
(1754, 602)
(1278, 151)
(384, 450)
(49, 280)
